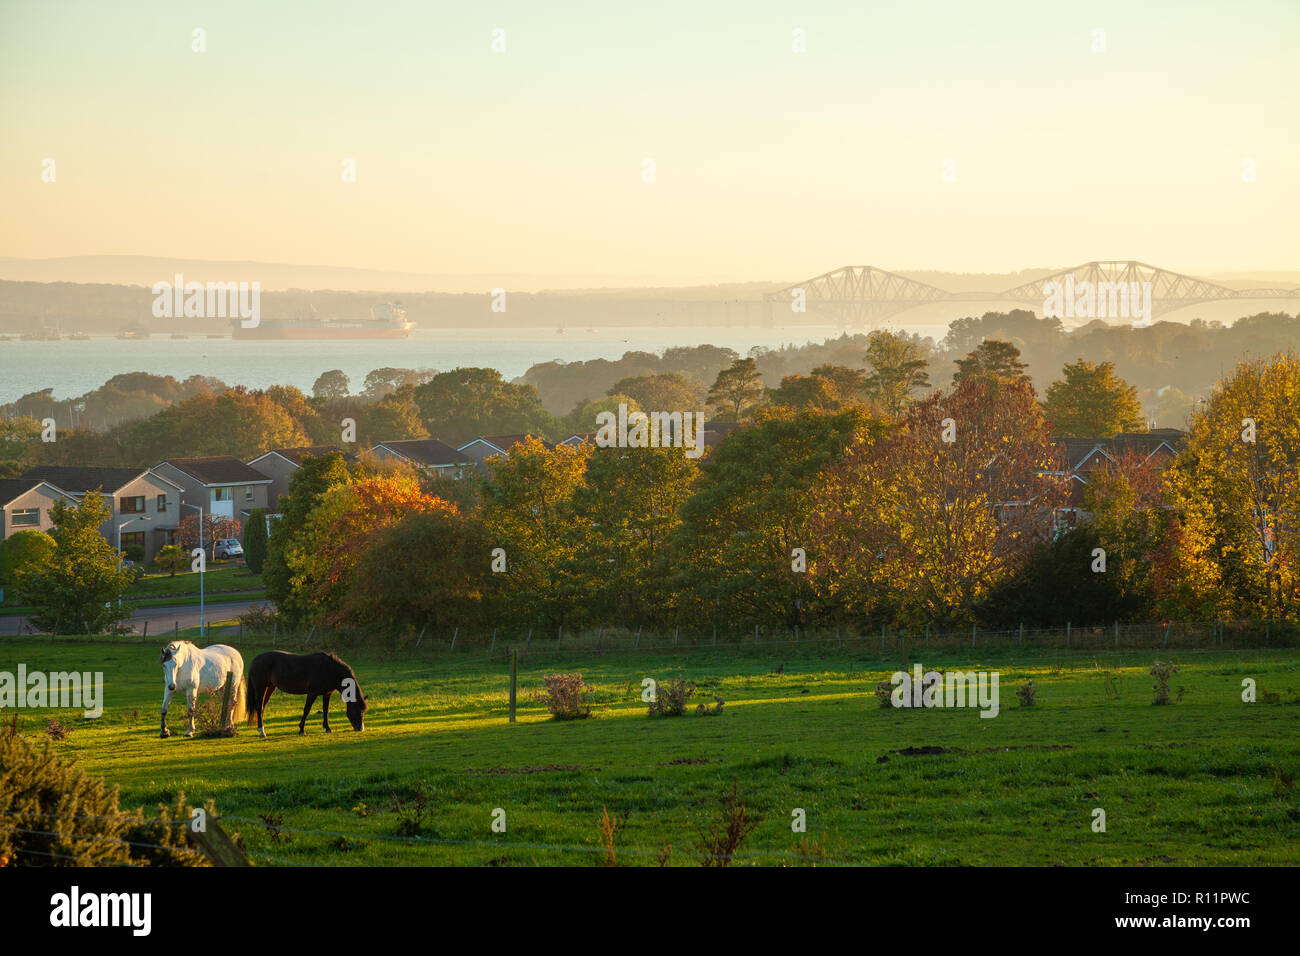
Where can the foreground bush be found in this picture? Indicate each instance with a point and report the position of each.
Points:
(52, 814)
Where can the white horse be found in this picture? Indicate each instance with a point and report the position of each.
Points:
(191, 670)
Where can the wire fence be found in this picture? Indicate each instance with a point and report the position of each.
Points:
(498, 642)
(599, 853)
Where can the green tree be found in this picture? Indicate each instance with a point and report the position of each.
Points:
(254, 542)
(458, 405)
(991, 359)
(626, 508)
(23, 551)
(898, 368)
(331, 384)
(1092, 402)
(737, 390)
(732, 554)
(666, 392)
(77, 589)
(284, 547)
(527, 508)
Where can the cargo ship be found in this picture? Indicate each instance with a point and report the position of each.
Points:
(385, 322)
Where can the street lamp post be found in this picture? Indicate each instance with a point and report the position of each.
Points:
(203, 564)
(120, 558)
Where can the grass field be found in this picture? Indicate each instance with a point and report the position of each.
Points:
(1206, 780)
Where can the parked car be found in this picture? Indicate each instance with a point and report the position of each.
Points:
(227, 548)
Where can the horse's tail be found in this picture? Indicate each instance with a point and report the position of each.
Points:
(239, 706)
(254, 691)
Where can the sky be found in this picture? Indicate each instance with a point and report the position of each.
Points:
(970, 137)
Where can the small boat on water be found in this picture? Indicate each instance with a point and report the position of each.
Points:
(42, 333)
(178, 335)
(136, 330)
(79, 337)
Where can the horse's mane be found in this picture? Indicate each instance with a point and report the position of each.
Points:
(347, 670)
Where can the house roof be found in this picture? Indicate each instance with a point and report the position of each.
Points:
(502, 443)
(1078, 451)
(218, 470)
(295, 455)
(427, 451)
(79, 480)
(11, 488)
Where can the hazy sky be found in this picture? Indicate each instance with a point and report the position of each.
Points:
(769, 164)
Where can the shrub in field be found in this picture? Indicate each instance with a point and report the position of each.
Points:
(884, 693)
(722, 838)
(565, 696)
(670, 698)
(171, 558)
(1162, 673)
(1026, 694)
(704, 710)
(53, 814)
(207, 717)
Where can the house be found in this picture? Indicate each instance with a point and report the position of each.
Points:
(483, 447)
(427, 454)
(145, 506)
(279, 464)
(1083, 456)
(25, 504)
(221, 485)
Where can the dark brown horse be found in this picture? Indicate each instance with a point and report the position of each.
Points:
(315, 675)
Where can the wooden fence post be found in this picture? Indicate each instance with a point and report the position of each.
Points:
(453, 638)
(514, 680)
(421, 637)
(1117, 633)
(216, 844)
(225, 700)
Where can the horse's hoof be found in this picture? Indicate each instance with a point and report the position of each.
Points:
(327, 730)
(190, 734)
(262, 734)
(165, 734)
(302, 733)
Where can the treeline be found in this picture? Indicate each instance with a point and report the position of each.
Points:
(945, 515)
(1171, 364)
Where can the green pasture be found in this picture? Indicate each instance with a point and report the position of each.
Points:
(1205, 780)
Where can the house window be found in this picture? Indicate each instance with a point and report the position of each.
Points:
(133, 539)
(132, 506)
(162, 502)
(26, 517)
(248, 493)
(221, 494)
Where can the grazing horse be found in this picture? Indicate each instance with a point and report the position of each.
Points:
(190, 670)
(312, 674)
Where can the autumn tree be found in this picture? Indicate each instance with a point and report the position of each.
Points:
(923, 523)
(737, 390)
(1236, 490)
(340, 528)
(1092, 402)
